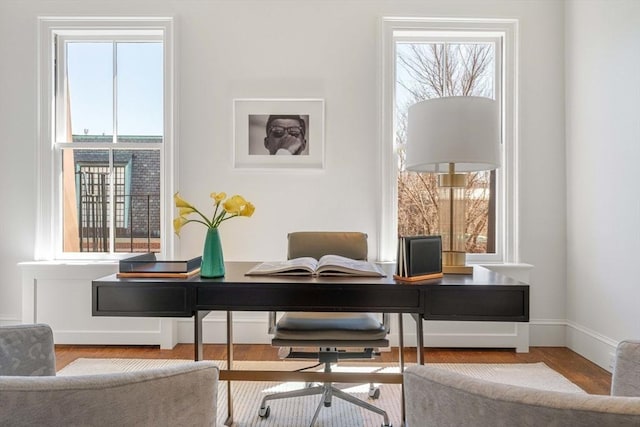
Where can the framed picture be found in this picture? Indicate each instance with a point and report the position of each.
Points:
(278, 133)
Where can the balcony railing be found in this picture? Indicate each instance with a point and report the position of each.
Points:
(137, 219)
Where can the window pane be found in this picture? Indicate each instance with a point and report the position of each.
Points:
(90, 88)
(90, 212)
(471, 69)
(140, 91)
(432, 70)
(86, 200)
(137, 200)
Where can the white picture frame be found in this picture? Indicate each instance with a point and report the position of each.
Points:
(250, 118)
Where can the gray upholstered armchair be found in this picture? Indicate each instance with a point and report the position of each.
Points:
(436, 397)
(328, 334)
(31, 394)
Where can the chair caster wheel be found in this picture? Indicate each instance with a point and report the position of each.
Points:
(264, 412)
(387, 425)
(374, 393)
(327, 404)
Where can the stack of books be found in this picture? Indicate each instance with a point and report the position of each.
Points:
(147, 265)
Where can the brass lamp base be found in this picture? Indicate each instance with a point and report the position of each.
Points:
(455, 263)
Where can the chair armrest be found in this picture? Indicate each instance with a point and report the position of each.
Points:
(27, 350)
(178, 395)
(437, 397)
(626, 372)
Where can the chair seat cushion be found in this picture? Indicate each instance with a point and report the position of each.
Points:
(330, 326)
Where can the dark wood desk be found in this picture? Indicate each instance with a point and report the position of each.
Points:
(485, 296)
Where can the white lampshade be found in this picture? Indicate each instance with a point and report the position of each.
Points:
(464, 130)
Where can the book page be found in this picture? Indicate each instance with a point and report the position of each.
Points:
(338, 265)
(296, 266)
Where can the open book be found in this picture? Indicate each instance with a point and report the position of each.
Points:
(328, 265)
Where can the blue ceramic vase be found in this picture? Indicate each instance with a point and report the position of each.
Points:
(212, 258)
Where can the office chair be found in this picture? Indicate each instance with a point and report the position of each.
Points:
(328, 332)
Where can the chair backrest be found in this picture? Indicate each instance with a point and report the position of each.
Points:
(315, 244)
(27, 350)
(434, 396)
(626, 372)
(176, 395)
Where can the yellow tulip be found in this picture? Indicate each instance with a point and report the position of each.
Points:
(186, 211)
(218, 197)
(180, 202)
(178, 223)
(247, 210)
(234, 204)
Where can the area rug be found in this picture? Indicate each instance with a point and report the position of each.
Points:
(299, 411)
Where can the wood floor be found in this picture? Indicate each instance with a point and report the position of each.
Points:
(590, 377)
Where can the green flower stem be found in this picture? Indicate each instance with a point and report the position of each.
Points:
(215, 213)
(198, 221)
(224, 219)
(217, 219)
(206, 220)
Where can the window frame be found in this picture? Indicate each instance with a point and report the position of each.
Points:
(52, 32)
(404, 29)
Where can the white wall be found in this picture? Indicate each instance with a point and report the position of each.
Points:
(603, 154)
(307, 48)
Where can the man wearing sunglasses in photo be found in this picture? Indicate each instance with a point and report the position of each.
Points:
(285, 135)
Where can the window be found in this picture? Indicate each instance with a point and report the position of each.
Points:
(425, 59)
(106, 136)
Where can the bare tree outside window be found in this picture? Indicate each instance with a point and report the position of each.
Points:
(432, 70)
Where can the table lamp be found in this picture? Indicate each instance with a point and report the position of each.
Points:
(447, 136)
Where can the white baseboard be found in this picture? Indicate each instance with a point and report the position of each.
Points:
(591, 345)
(539, 333)
(252, 329)
(9, 320)
(108, 337)
(548, 332)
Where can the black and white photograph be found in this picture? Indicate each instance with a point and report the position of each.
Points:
(279, 133)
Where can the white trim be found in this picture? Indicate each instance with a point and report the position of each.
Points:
(590, 344)
(249, 328)
(48, 208)
(508, 210)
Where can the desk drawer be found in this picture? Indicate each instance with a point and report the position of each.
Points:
(140, 300)
(488, 303)
(309, 298)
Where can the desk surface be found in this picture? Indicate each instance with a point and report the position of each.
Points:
(235, 275)
(485, 295)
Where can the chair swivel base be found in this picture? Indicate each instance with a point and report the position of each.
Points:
(327, 391)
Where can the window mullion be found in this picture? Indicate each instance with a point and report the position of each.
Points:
(115, 91)
(114, 113)
(112, 203)
(59, 82)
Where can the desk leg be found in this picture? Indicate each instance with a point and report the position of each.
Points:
(401, 342)
(419, 339)
(229, 420)
(198, 348)
(401, 360)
